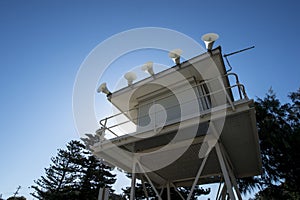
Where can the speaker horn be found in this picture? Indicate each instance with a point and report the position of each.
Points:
(130, 77)
(175, 55)
(148, 67)
(209, 40)
(103, 88)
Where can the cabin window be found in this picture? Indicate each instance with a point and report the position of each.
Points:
(165, 109)
(158, 113)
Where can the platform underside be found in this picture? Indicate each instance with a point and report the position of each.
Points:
(238, 138)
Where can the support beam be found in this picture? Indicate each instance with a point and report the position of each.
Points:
(175, 188)
(149, 180)
(219, 188)
(225, 172)
(144, 188)
(133, 181)
(168, 191)
(222, 193)
(161, 191)
(231, 175)
(197, 177)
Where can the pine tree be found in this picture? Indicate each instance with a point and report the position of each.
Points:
(74, 174)
(95, 175)
(279, 135)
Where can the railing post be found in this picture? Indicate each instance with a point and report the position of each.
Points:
(154, 128)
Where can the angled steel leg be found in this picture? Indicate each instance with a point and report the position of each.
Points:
(225, 172)
(231, 175)
(144, 188)
(149, 180)
(197, 177)
(223, 193)
(172, 184)
(161, 191)
(219, 188)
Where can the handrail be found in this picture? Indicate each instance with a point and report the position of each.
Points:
(240, 88)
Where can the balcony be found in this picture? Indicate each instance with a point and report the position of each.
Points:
(166, 110)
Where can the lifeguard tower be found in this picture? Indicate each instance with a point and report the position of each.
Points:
(184, 126)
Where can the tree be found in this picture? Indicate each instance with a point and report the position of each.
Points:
(95, 174)
(75, 174)
(184, 191)
(279, 137)
(17, 198)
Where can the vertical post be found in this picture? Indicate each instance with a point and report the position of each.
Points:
(154, 128)
(133, 180)
(100, 195)
(144, 188)
(106, 194)
(226, 94)
(168, 191)
(224, 172)
(103, 194)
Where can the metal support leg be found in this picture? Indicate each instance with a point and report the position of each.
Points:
(133, 180)
(144, 188)
(149, 180)
(168, 191)
(175, 188)
(161, 191)
(219, 189)
(197, 177)
(225, 172)
(231, 175)
(237, 191)
(223, 192)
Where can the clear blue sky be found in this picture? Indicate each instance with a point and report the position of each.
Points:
(43, 43)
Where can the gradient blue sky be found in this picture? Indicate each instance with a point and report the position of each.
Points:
(43, 44)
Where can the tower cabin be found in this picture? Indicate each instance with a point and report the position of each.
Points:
(190, 124)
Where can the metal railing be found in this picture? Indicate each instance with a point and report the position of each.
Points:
(205, 98)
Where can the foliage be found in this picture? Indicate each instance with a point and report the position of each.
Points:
(73, 175)
(277, 192)
(279, 136)
(17, 198)
(184, 191)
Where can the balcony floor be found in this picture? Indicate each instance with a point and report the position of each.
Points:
(238, 138)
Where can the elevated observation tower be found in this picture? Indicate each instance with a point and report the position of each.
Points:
(190, 124)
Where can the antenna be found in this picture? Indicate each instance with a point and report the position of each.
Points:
(148, 67)
(209, 40)
(239, 51)
(175, 55)
(102, 88)
(230, 54)
(130, 77)
(17, 192)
